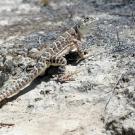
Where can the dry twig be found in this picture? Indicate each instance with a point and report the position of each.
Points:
(6, 125)
(113, 90)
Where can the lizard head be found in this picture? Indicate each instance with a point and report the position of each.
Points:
(84, 26)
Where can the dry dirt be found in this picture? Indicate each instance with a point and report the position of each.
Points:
(100, 100)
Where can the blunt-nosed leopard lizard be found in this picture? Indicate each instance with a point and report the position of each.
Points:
(52, 56)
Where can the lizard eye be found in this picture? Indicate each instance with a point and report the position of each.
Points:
(86, 19)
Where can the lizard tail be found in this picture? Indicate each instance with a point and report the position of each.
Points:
(20, 84)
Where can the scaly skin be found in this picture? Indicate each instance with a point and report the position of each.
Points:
(53, 55)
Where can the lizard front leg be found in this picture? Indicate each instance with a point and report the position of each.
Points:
(79, 48)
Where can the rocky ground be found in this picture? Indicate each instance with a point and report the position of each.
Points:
(100, 100)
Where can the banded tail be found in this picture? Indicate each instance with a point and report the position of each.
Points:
(22, 83)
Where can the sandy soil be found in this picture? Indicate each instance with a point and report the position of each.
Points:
(100, 100)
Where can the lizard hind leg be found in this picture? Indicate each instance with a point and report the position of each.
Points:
(55, 61)
(59, 61)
